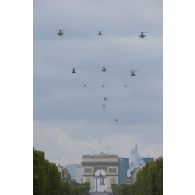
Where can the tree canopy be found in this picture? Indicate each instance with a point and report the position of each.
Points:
(47, 181)
(149, 181)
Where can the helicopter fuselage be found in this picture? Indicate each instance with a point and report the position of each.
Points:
(142, 35)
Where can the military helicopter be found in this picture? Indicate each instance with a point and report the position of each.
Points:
(73, 70)
(60, 32)
(99, 32)
(103, 69)
(133, 73)
(142, 35)
(105, 98)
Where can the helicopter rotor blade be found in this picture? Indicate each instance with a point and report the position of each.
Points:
(62, 29)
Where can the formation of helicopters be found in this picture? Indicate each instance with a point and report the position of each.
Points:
(141, 35)
(61, 33)
(104, 69)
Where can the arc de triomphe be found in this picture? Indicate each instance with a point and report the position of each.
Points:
(101, 171)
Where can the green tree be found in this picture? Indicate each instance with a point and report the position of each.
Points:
(149, 181)
(47, 181)
(46, 178)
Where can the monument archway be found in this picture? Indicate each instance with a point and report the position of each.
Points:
(101, 171)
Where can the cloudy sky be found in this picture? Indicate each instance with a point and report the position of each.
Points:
(69, 120)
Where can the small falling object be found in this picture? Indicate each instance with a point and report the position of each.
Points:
(103, 106)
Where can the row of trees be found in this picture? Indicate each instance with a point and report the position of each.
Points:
(149, 181)
(47, 181)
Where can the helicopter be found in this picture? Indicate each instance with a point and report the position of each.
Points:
(133, 73)
(103, 85)
(103, 106)
(60, 32)
(142, 35)
(73, 70)
(99, 32)
(125, 85)
(85, 85)
(103, 69)
(105, 98)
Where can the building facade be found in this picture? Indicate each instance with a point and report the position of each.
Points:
(147, 159)
(76, 172)
(123, 168)
(101, 171)
(64, 174)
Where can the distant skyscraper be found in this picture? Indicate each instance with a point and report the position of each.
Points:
(123, 167)
(76, 172)
(136, 161)
(147, 159)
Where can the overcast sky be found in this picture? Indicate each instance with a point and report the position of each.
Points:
(69, 119)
